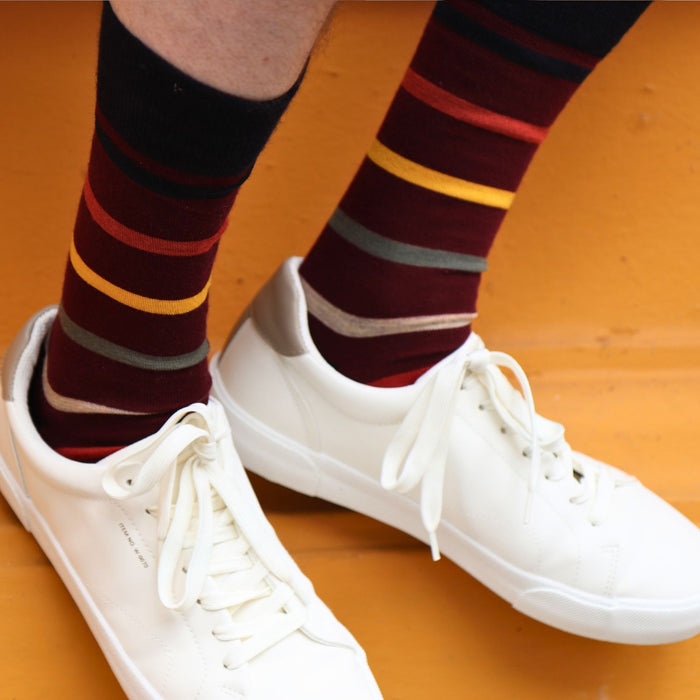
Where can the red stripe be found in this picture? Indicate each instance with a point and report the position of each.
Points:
(141, 241)
(524, 37)
(467, 112)
(369, 359)
(489, 80)
(152, 166)
(86, 454)
(401, 379)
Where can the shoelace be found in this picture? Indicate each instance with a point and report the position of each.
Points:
(196, 527)
(418, 451)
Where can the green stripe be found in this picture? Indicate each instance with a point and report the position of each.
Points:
(118, 353)
(405, 253)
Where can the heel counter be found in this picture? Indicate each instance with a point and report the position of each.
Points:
(18, 364)
(278, 312)
(254, 378)
(12, 483)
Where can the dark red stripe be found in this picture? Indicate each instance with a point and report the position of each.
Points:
(163, 171)
(452, 147)
(370, 287)
(401, 379)
(522, 36)
(391, 207)
(148, 244)
(488, 80)
(368, 360)
(68, 430)
(104, 381)
(147, 274)
(149, 213)
(87, 454)
(146, 333)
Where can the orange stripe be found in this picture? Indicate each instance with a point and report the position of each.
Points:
(456, 107)
(141, 241)
(163, 307)
(430, 179)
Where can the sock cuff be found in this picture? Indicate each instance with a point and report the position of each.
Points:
(174, 119)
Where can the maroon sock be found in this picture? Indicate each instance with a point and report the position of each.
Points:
(392, 281)
(129, 345)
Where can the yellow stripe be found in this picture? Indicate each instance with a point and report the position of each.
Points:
(163, 307)
(438, 182)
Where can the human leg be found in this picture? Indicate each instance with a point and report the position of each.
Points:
(253, 50)
(162, 543)
(392, 281)
(168, 155)
(458, 459)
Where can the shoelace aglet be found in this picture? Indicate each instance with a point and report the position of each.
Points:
(434, 549)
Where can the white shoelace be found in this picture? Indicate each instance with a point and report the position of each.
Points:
(418, 451)
(198, 535)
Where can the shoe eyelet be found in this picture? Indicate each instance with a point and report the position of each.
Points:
(129, 482)
(481, 407)
(503, 430)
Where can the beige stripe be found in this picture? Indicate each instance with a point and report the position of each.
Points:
(68, 405)
(358, 327)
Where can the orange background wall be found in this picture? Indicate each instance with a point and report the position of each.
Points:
(596, 265)
(601, 242)
(593, 283)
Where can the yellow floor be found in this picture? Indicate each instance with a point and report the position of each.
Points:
(593, 285)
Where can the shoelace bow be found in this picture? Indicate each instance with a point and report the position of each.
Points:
(418, 451)
(195, 517)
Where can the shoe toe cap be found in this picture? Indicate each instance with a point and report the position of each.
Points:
(659, 554)
(304, 668)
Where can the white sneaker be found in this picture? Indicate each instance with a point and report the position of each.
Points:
(461, 460)
(165, 550)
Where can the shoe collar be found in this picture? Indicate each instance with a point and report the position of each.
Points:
(280, 313)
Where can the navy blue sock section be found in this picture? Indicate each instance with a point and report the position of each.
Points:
(592, 27)
(186, 124)
(487, 38)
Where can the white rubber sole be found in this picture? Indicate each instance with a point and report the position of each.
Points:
(286, 462)
(132, 681)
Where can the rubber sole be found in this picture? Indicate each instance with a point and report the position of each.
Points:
(286, 462)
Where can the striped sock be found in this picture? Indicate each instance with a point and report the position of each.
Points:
(129, 345)
(392, 281)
